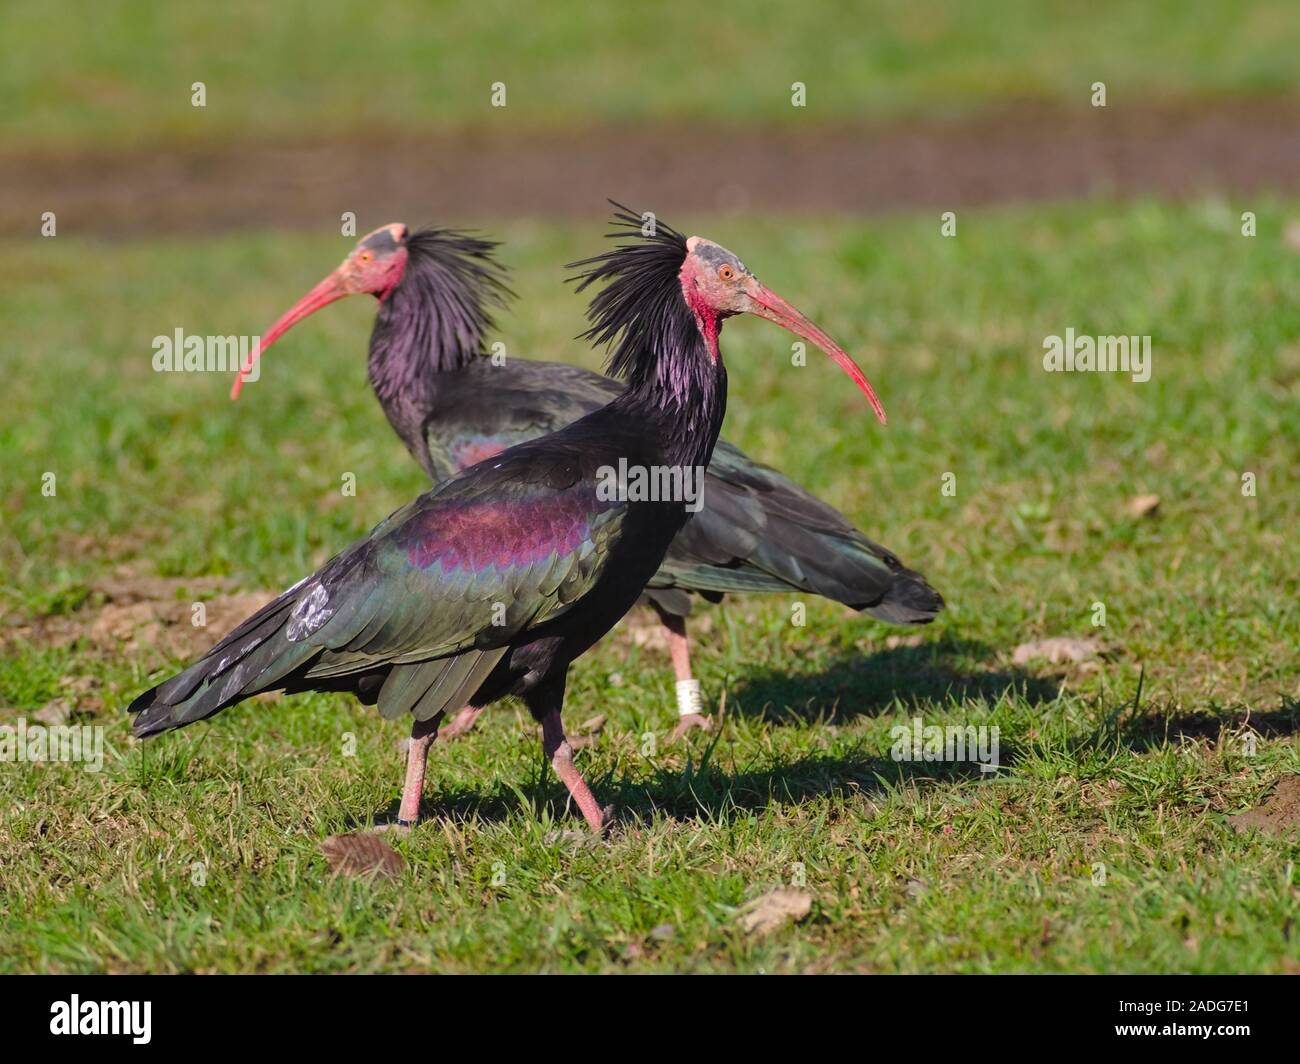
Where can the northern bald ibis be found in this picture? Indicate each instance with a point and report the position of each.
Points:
(410, 617)
(452, 406)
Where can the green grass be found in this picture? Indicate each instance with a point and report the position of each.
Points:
(912, 867)
(118, 73)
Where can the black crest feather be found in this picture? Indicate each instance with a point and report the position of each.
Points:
(640, 306)
(456, 273)
(439, 315)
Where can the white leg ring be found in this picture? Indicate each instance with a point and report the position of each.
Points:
(689, 700)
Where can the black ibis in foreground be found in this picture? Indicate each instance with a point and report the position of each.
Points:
(452, 406)
(494, 581)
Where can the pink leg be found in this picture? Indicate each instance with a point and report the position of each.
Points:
(679, 647)
(561, 754)
(423, 732)
(688, 688)
(463, 722)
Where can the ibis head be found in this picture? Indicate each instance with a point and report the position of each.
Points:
(375, 267)
(716, 285)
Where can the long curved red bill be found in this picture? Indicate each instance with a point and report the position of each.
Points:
(775, 309)
(322, 295)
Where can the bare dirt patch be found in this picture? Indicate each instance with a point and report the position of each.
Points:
(130, 613)
(1018, 154)
(1278, 814)
(1058, 650)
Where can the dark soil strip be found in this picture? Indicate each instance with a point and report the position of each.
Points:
(1026, 154)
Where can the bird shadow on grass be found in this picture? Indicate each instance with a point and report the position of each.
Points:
(946, 672)
(707, 789)
(1143, 728)
(714, 788)
(949, 672)
(713, 791)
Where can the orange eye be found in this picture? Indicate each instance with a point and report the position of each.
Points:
(366, 256)
(726, 273)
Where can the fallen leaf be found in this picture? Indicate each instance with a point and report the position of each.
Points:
(593, 724)
(359, 853)
(1143, 505)
(1057, 650)
(1278, 814)
(773, 910)
(56, 712)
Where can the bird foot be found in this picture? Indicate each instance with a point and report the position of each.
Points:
(689, 722)
(578, 837)
(397, 826)
(569, 837)
(462, 724)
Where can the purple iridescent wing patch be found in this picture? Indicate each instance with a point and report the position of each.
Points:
(506, 533)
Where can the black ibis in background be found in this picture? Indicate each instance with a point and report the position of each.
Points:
(452, 407)
(411, 616)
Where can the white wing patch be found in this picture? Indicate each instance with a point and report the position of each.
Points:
(312, 611)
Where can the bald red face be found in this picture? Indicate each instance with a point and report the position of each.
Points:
(377, 262)
(714, 278)
(716, 285)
